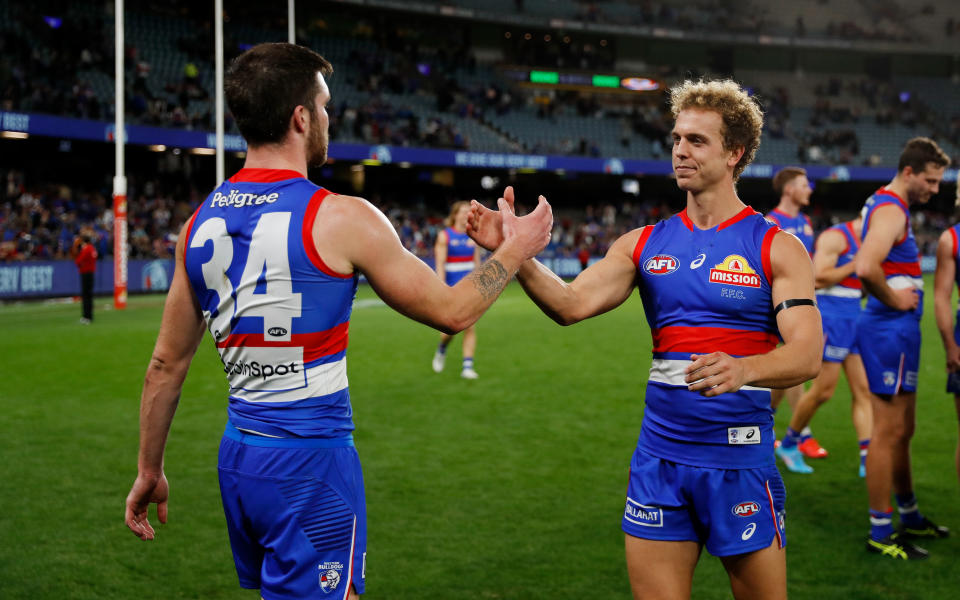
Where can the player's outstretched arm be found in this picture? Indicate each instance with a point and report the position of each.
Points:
(887, 225)
(943, 282)
(351, 234)
(793, 362)
(181, 330)
(830, 245)
(603, 286)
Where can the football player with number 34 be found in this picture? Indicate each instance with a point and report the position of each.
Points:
(269, 264)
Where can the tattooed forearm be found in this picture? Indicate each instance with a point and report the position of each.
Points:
(490, 278)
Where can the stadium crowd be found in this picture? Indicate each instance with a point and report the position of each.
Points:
(39, 220)
(415, 83)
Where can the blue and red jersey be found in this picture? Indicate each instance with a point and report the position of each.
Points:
(901, 267)
(278, 314)
(800, 226)
(460, 252)
(844, 296)
(705, 291)
(955, 238)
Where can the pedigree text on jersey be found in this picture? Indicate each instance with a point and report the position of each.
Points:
(237, 199)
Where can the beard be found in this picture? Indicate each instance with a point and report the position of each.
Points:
(316, 146)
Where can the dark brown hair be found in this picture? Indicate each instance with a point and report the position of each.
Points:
(918, 152)
(266, 83)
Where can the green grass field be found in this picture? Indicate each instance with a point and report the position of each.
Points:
(510, 486)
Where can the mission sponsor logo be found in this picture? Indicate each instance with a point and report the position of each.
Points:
(746, 509)
(661, 264)
(735, 270)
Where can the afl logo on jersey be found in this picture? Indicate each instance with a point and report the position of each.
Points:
(735, 270)
(661, 264)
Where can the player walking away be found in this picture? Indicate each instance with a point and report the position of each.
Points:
(888, 336)
(84, 254)
(794, 189)
(718, 281)
(946, 276)
(269, 264)
(456, 256)
(838, 298)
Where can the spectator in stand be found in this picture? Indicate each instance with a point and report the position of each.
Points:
(85, 255)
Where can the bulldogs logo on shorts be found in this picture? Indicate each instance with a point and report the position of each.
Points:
(330, 575)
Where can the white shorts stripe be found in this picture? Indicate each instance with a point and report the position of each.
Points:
(353, 541)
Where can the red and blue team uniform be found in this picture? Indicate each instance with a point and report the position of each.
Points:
(953, 379)
(800, 226)
(839, 304)
(889, 339)
(290, 476)
(704, 468)
(460, 252)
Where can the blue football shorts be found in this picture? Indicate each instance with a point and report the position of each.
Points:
(891, 353)
(295, 514)
(839, 336)
(730, 511)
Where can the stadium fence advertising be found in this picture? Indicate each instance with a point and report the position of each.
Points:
(58, 278)
(85, 129)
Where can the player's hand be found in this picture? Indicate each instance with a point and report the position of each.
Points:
(484, 226)
(532, 233)
(953, 358)
(714, 374)
(906, 299)
(146, 490)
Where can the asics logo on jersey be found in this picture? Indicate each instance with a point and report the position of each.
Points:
(748, 532)
(661, 264)
(746, 509)
(237, 199)
(256, 369)
(735, 270)
(695, 263)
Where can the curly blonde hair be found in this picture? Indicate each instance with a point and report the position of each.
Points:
(741, 114)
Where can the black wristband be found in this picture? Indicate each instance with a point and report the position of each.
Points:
(793, 302)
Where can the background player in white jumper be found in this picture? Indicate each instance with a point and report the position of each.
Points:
(793, 188)
(946, 278)
(456, 255)
(278, 95)
(839, 300)
(718, 281)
